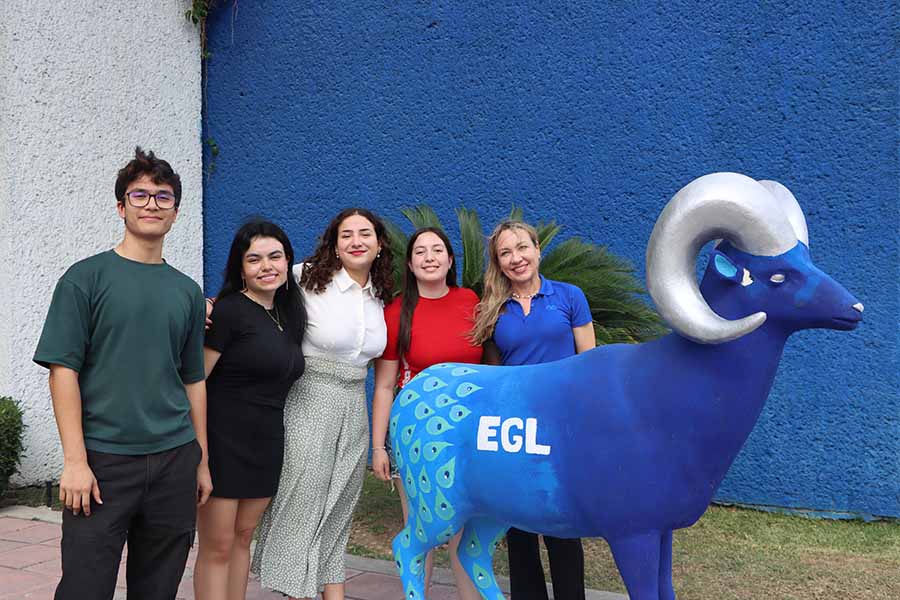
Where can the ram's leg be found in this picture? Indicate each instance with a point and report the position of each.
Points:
(666, 590)
(409, 558)
(637, 558)
(476, 554)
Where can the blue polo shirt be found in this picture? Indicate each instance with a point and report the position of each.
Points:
(545, 334)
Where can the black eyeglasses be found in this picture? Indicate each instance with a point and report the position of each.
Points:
(141, 198)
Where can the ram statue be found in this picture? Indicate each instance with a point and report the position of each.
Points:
(625, 442)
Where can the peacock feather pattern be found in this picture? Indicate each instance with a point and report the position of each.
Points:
(422, 442)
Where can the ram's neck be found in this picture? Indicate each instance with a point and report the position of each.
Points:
(721, 390)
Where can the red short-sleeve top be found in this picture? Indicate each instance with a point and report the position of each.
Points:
(440, 329)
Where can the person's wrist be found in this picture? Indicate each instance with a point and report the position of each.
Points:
(374, 448)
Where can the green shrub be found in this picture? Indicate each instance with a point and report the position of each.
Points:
(11, 429)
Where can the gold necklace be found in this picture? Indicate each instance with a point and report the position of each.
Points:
(276, 319)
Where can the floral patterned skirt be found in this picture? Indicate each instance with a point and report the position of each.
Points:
(303, 534)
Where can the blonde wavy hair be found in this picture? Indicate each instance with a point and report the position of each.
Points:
(496, 284)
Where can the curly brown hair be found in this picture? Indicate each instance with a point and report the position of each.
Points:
(322, 264)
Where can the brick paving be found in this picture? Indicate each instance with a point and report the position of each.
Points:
(30, 566)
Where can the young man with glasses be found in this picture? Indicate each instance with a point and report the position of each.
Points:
(123, 341)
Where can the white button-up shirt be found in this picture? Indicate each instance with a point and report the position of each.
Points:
(346, 321)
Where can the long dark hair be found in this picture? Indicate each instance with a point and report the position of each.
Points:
(288, 300)
(323, 263)
(411, 286)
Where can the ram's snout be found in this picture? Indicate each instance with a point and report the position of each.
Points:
(850, 319)
(840, 309)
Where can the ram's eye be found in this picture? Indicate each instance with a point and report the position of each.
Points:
(777, 278)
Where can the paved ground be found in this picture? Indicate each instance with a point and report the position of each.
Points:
(30, 566)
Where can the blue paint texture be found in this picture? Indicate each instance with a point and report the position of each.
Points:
(595, 114)
(633, 439)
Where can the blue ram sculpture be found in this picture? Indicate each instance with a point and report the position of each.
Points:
(624, 442)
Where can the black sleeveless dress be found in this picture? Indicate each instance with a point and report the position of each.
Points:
(245, 397)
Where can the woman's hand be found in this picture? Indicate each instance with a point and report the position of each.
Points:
(381, 464)
(204, 483)
(209, 309)
(385, 379)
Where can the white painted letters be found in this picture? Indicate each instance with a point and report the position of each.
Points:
(487, 429)
(514, 443)
(531, 445)
(511, 442)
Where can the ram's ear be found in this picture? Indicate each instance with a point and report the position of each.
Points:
(727, 268)
(724, 266)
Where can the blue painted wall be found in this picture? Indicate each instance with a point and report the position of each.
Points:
(595, 115)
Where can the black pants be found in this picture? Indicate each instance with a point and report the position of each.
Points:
(526, 576)
(150, 501)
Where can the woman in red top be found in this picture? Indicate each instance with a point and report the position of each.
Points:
(427, 325)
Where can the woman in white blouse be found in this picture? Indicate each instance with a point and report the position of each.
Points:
(303, 534)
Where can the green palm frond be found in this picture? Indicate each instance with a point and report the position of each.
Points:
(516, 214)
(422, 216)
(614, 294)
(546, 232)
(396, 240)
(612, 290)
(471, 267)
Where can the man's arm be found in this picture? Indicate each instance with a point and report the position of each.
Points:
(196, 394)
(77, 483)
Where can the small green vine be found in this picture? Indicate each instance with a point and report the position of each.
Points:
(213, 153)
(197, 14)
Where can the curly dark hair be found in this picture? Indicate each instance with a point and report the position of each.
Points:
(147, 163)
(323, 263)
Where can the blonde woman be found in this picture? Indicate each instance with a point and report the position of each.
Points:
(525, 319)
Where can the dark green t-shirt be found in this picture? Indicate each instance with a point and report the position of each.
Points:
(134, 333)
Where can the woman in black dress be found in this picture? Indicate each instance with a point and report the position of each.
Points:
(252, 357)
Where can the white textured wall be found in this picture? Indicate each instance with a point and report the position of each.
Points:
(83, 82)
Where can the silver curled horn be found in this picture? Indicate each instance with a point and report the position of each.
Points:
(720, 205)
(790, 207)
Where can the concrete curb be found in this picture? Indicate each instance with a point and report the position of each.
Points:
(445, 576)
(32, 513)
